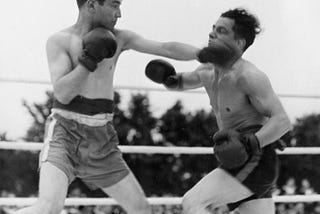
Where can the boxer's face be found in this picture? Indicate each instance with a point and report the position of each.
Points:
(108, 13)
(223, 36)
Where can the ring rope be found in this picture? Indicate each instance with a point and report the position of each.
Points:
(32, 146)
(136, 88)
(151, 200)
(147, 150)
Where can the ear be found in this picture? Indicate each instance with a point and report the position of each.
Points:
(241, 43)
(90, 4)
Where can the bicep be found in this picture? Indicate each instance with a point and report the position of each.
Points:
(146, 46)
(138, 43)
(191, 80)
(263, 97)
(58, 61)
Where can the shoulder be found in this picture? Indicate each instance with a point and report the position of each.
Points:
(204, 69)
(122, 34)
(125, 37)
(252, 79)
(205, 72)
(59, 40)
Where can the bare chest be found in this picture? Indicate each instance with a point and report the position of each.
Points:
(226, 97)
(100, 82)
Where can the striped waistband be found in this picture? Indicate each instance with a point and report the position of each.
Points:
(94, 120)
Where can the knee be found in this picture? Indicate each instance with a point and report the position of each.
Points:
(188, 205)
(192, 204)
(47, 207)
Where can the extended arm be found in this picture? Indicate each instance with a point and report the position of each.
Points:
(173, 50)
(162, 72)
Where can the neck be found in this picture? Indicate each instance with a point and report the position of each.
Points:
(83, 24)
(222, 71)
(229, 64)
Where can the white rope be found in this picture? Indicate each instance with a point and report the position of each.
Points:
(31, 146)
(136, 88)
(152, 200)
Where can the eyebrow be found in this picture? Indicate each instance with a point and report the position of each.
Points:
(116, 1)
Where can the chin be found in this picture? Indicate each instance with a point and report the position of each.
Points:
(110, 27)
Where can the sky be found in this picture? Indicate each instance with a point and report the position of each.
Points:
(287, 50)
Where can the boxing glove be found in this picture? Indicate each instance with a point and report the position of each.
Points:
(232, 149)
(98, 44)
(163, 72)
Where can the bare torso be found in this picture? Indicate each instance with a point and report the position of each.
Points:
(230, 104)
(99, 84)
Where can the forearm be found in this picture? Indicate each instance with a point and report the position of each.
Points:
(180, 51)
(273, 130)
(69, 86)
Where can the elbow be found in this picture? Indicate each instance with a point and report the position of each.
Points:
(286, 123)
(62, 97)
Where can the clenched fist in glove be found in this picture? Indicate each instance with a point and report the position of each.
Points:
(233, 149)
(163, 72)
(98, 44)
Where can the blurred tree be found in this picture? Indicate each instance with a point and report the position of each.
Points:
(39, 113)
(120, 120)
(138, 125)
(185, 129)
(306, 133)
(14, 178)
(141, 120)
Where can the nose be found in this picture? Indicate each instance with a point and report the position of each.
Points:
(212, 34)
(118, 14)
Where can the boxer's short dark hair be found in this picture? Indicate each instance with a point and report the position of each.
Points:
(246, 25)
(80, 3)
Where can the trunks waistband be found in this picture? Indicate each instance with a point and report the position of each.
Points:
(83, 105)
(250, 129)
(94, 120)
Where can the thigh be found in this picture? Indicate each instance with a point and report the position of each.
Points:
(216, 189)
(53, 186)
(127, 192)
(258, 206)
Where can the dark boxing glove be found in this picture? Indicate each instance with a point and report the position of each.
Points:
(98, 44)
(163, 72)
(218, 54)
(232, 149)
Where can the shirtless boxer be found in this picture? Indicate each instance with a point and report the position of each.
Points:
(250, 118)
(80, 140)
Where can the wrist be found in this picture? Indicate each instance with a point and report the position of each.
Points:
(251, 143)
(259, 139)
(256, 141)
(197, 56)
(174, 82)
(87, 62)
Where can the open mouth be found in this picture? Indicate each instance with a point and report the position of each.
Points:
(212, 42)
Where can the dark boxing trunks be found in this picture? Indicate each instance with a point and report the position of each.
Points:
(259, 176)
